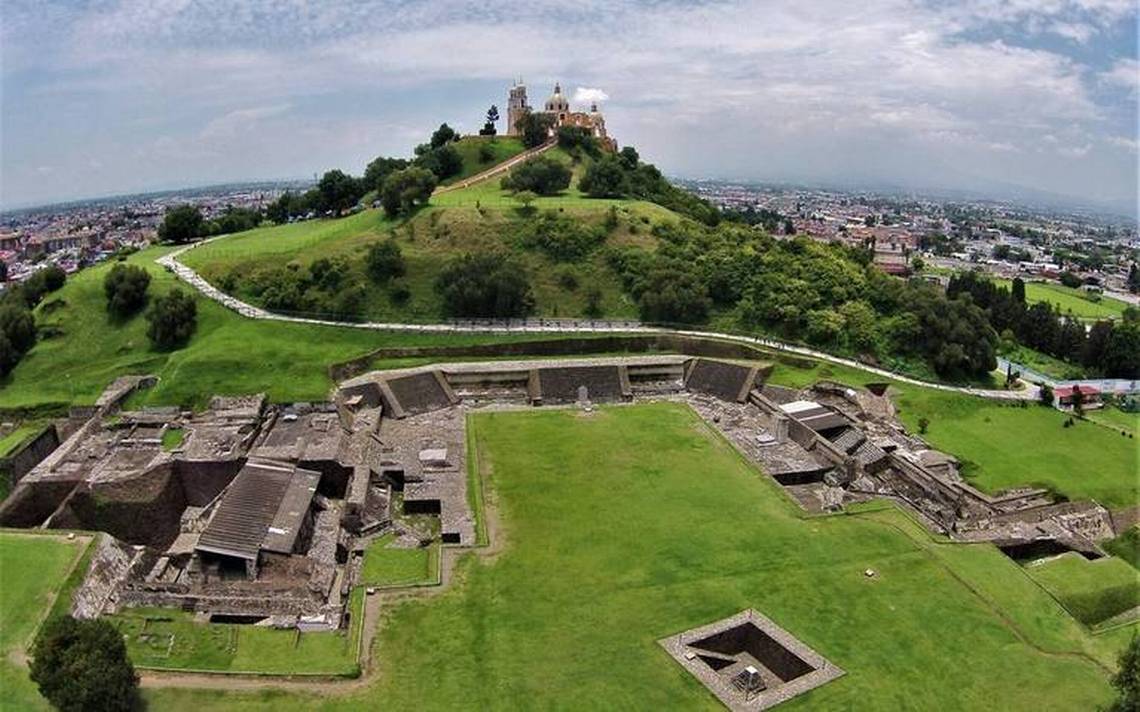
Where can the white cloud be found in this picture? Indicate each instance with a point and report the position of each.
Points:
(1124, 73)
(589, 95)
(1075, 151)
(1125, 142)
(826, 84)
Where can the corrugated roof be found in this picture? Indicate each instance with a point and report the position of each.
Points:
(250, 506)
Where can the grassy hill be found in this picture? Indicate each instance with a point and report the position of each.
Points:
(81, 350)
(470, 148)
(479, 218)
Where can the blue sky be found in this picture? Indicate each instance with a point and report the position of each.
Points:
(990, 95)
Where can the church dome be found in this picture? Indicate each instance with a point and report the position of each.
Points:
(557, 102)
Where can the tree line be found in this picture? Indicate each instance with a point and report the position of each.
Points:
(1107, 348)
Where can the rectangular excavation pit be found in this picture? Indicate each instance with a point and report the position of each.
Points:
(749, 662)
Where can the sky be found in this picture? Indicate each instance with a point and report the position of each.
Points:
(1001, 97)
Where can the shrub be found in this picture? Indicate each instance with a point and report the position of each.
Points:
(399, 293)
(385, 261)
(485, 285)
(172, 319)
(82, 665)
(406, 190)
(542, 175)
(125, 287)
(181, 224)
(563, 239)
(673, 296)
(44, 281)
(604, 178)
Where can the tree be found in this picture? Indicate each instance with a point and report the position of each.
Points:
(443, 136)
(1070, 279)
(384, 261)
(17, 334)
(406, 190)
(486, 152)
(3, 271)
(672, 296)
(542, 175)
(577, 139)
(1122, 353)
(1134, 278)
(534, 128)
(485, 285)
(379, 169)
(629, 158)
(181, 224)
(604, 178)
(917, 264)
(339, 191)
(42, 282)
(444, 161)
(923, 424)
(82, 665)
(1017, 290)
(489, 128)
(172, 319)
(1045, 395)
(125, 287)
(1127, 679)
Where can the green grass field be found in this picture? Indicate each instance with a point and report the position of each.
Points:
(168, 638)
(680, 531)
(1067, 299)
(1115, 419)
(1004, 445)
(388, 566)
(1093, 591)
(24, 602)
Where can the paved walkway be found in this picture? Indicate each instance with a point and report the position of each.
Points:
(548, 326)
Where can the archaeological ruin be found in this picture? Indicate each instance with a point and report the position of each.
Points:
(259, 512)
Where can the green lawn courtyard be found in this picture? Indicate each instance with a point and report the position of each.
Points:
(633, 523)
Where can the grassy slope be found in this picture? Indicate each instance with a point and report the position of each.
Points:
(228, 353)
(504, 147)
(1069, 299)
(1127, 546)
(473, 219)
(1093, 591)
(681, 532)
(1007, 446)
(24, 600)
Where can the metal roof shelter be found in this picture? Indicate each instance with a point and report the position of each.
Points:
(263, 509)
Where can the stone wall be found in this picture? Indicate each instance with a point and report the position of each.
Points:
(673, 343)
(139, 510)
(33, 502)
(727, 381)
(560, 385)
(19, 463)
(419, 393)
